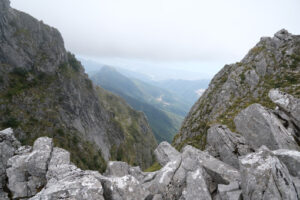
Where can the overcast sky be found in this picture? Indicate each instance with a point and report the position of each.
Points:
(165, 31)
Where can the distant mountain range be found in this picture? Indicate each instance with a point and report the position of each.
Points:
(164, 110)
(165, 103)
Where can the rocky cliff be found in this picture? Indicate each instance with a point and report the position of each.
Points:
(260, 163)
(45, 92)
(272, 63)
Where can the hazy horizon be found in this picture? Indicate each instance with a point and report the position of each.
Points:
(165, 39)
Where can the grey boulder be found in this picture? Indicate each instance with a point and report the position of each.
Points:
(123, 188)
(66, 181)
(287, 103)
(164, 153)
(231, 191)
(261, 127)
(291, 159)
(226, 145)
(265, 177)
(196, 186)
(220, 172)
(82, 185)
(26, 172)
(8, 146)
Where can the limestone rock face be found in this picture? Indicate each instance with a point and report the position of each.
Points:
(261, 127)
(26, 172)
(291, 159)
(125, 187)
(8, 146)
(196, 186)
(226, 145)
(265, 177)
(230, 192)
(66, 181)
(81, 185)
(221, 172)
(287, 103)
(44, 172)
(164, 153)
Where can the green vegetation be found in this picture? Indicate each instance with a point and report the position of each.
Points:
(128, 122)
(11, 122)
(242, 76)
(76, 65)
(155, 167)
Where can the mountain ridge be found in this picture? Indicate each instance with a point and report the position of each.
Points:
(44, 89)
(272, 63)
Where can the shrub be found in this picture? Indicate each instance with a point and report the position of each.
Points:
(20, 71)
(76, 65)
(11, 122)
(242, 76)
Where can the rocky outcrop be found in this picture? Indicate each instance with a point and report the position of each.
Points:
(291, 159)
(165, 153)
(287, 103)
(27, 170)
(45, 172)
(261, 127)
(226, 145)
(8, 146)
(273, 63)
(230, 192)
(45, 92)
(288, 111)
(265, 177)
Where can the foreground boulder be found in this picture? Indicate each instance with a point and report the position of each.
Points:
(226, 145)
(82, 185)
(45, 172)
(265, 177)
(8, 146)
(261, 127)
(66, 181)
(27, 171)
(220, 172)
(291, 159)
(230, 192)
(164, 153)
(123, 188)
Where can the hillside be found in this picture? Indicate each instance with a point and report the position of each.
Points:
(45, 92)
(164, 110)
(272, 63)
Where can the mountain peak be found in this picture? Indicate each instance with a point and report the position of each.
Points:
(271, 63)
(283, 34)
